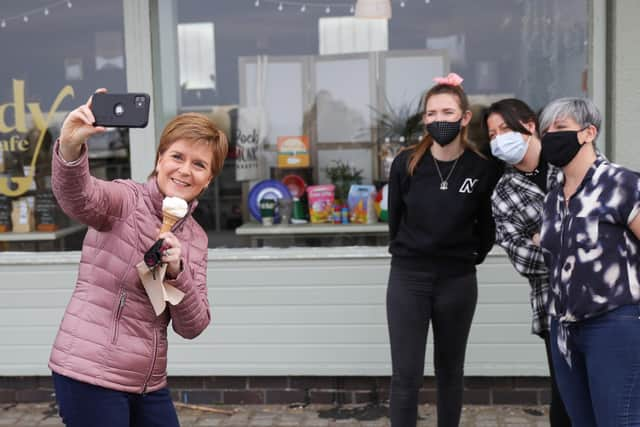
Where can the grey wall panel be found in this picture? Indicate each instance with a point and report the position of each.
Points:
(298, 311)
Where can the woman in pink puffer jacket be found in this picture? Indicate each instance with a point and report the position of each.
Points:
(109, 358)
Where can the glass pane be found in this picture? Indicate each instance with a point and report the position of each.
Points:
(310, 76)
(282, 94)
(56, 55)
(343, 104)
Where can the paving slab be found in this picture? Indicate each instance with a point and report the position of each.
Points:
(42, 414)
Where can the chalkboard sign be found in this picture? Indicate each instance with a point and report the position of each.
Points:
(5, 213)
(46, 211)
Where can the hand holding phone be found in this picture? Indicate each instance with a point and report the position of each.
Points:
(123, 110)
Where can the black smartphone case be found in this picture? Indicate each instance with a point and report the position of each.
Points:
(123, 110)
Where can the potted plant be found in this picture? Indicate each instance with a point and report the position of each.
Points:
(397, 128)
(343, 175)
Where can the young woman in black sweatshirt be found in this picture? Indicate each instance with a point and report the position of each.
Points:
(440, 227)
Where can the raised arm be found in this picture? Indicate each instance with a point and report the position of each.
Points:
(84, 198)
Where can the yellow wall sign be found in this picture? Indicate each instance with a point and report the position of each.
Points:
(18, 140)
(293, 151)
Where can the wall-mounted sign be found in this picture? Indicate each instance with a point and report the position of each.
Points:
(293, 151)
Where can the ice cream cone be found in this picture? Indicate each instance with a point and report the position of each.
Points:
(168, 221)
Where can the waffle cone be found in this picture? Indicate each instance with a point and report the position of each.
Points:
(168, 221)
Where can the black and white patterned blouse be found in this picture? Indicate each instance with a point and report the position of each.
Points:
(591, 252)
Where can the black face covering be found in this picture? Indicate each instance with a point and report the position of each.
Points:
(559, 148)
(443, 132)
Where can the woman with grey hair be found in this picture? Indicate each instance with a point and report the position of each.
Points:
(590, 241)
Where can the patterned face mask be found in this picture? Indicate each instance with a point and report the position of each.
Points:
(559, 148)
(443, 132)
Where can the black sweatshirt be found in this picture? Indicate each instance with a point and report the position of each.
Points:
(446, 232)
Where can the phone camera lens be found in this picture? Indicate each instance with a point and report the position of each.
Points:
(139, 101)
(118, 110)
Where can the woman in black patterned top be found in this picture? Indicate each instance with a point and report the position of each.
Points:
(590, 237)
(517, 210)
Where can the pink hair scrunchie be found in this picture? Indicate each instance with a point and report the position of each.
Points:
(452, 79)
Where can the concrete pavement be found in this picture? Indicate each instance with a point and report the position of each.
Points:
(42, 414)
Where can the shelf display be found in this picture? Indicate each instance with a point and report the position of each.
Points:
(293, 151)
(267, 189)
(295, 184)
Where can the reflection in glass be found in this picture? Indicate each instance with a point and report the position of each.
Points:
(316, 75)
(63, 57)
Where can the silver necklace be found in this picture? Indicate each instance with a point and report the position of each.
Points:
(444, 183)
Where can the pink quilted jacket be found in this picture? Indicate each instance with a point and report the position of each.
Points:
(110, 335)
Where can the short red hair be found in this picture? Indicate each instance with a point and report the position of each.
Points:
(195, 128)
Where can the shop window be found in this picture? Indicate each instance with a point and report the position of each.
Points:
(56, 55)
(295, 82)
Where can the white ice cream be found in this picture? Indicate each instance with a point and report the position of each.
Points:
(175, 206)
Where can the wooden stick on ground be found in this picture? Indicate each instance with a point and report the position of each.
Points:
(204, 408)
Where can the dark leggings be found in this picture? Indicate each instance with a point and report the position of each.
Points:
(558, 416)
(413, 299)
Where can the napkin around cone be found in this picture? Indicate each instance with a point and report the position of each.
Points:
(159, 293)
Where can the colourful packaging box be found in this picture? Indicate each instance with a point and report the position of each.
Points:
(321, 199)
(293, 151)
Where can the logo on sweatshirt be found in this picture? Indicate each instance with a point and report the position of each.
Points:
(467, 185)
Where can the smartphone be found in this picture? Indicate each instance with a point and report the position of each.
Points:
(121, 110)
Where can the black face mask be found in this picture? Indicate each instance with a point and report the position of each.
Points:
(443, 132)
(559, 148)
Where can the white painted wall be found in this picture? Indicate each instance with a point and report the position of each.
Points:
(304, 311)
(625, 82)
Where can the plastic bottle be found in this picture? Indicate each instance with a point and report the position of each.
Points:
(345, 215)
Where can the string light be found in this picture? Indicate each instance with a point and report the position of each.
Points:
(303, 5)
(26, 16)
(307, 4)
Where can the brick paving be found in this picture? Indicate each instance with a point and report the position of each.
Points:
(43, 414)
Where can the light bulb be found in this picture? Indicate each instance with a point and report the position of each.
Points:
(327, 10)
(69, 5)
(25, 18)
(427, 1)
(303, 8)
(401, 4)
(352, 10)
(46, 11)
(3, 23)
(280, 7)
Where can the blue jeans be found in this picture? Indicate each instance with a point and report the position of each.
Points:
(601, 388)
(83, 405)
